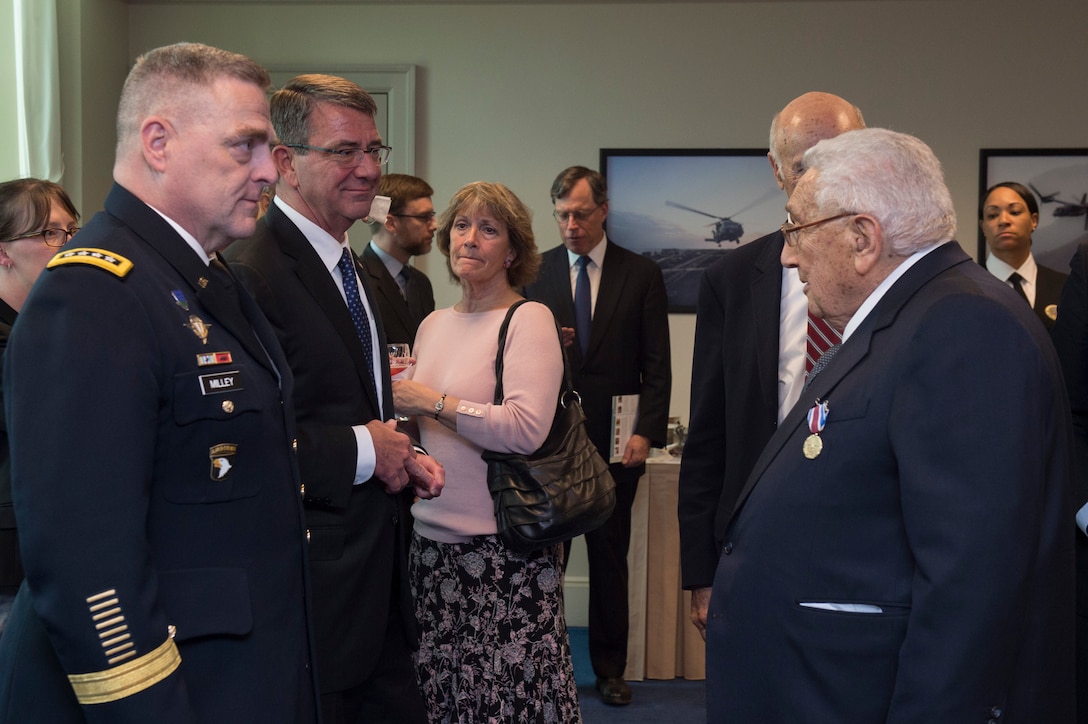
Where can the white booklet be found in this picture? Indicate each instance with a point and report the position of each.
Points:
(624, 417)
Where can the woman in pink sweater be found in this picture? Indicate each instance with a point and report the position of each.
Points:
(494, 643)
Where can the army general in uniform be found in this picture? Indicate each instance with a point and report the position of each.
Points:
(154, 480)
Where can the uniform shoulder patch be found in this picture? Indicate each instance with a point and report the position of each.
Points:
(113, 263)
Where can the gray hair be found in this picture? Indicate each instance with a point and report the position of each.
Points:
(162, 78)
(891, 176)
(293, 104)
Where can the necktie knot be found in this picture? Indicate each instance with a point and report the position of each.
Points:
(1017, 282)
(821, 337)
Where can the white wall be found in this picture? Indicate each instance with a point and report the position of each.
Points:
(515, 93)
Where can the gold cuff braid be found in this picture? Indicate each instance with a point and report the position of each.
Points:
(99, 687)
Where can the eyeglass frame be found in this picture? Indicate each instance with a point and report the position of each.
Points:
(421, 217)
(45, 233)
(795, 228)
(349, 157)
(580, 217)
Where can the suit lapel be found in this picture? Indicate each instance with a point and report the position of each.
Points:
(853, 351)
(766, 306)
(386, 287)
(609, 293)
(318, 282)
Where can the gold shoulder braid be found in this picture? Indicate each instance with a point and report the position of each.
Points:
(113, 263)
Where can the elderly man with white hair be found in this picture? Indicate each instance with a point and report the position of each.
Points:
(902, 551)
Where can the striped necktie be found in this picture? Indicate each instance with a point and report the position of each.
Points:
(821, 337)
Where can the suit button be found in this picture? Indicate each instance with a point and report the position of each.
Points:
(228, 406)
(302, 489)
(996, 712)
(294, 446)
(307, 535)
(728, 548)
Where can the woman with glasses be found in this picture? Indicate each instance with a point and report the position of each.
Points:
(36, 217)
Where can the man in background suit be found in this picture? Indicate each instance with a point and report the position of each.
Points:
(902, 551)
(404, 293)
(748, 365)
(619, 347)
(148, 403)
(1070, 335)
(358, 471)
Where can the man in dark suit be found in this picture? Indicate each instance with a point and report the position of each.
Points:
(1070, 335)
(619, 347)
(748, 365)
(359, 471)
(155, 484)
(404, 293)
(902, 551)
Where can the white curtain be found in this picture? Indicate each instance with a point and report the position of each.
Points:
(38, 89)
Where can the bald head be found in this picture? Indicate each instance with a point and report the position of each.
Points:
(799, 126)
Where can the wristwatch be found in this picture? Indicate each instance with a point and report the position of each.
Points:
(439, 405)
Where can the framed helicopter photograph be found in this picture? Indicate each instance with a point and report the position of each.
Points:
(686, 207)
(1059, 179)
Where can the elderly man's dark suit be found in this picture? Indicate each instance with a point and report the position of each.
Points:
(358, 557)
(942, 495)
(628, 354)
(400, 315)
(156, 491)
(734, 400)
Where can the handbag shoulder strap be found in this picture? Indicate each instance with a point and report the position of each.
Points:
(567, 386)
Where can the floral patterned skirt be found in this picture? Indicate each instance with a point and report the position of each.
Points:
(493, 636)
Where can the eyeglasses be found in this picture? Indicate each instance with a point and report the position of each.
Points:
(350, 157)
(579, 217)
(789, 227)
(53, 237)
(422, 217)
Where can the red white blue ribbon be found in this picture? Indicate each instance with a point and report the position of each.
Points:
(817, 416)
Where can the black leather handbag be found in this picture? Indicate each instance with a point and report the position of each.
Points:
(559, 492)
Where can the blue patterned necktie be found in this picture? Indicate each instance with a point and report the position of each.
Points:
(583, 305)
(402, 281)
(358, 312)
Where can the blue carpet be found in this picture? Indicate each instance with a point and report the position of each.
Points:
(664, 702)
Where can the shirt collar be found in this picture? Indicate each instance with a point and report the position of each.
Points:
(877, 294)
(327, 247)
(1028, 270)
(596, 254)
(189, 238)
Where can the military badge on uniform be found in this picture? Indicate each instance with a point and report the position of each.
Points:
(817, 419)
(179, 299)
(214, 358)
(222, 457)
(219, 382)
(199, 327)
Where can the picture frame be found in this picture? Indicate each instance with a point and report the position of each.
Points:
(393, 89)
(1059, 179)
(685, 208)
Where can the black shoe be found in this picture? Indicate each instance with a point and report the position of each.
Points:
(614, 691)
